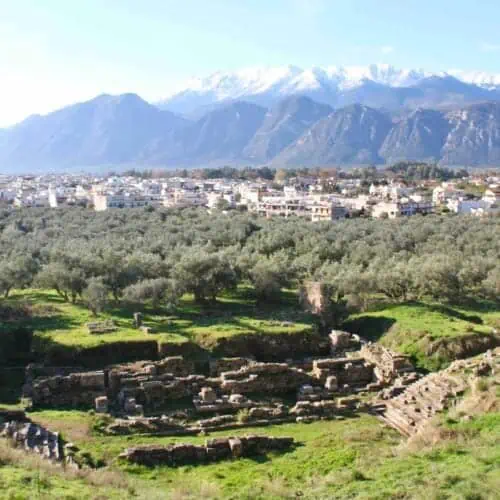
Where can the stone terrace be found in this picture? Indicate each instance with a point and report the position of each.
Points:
(420, 401)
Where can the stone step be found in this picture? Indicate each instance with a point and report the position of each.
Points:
(34, 438)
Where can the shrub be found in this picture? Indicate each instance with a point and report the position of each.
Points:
(243, 416)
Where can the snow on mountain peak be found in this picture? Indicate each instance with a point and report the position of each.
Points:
(289, 78)
(242, 82)
(224, 85)
(323, 83)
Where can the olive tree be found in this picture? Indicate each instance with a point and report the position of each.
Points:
(204, 274)
(96, 295)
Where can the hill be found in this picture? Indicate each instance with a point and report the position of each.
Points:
(120, 131)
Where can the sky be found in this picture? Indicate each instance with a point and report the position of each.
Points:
(57, 52)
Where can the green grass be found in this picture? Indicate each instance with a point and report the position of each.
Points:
(354, 458)
(413, 327)
(21, 483)
(60, 325)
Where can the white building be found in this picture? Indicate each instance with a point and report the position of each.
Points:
(182, 198)
(492, 195)
(465, 206)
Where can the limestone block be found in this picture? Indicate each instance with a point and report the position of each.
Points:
(331, 383)
(339, 340)
(237, 399)
(92, 379)
(101, 404)
(208, 395)
(236, 447)
(137, 319)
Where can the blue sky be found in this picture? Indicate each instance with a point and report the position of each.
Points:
(55, 52)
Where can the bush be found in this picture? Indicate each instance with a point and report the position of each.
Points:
(243, 416)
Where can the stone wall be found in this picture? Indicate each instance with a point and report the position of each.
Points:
(150, 385)
(388, 364)
(76, 389)
(272, 347)
(348, 371)
(213, 450)
(217, 366)
(270, 378)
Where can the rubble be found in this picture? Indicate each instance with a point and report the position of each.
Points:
(33, 438)
(147, 388)
(270, 378)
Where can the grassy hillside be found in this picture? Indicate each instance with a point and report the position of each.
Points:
(433, 334)
(355, 458)
(60, 331)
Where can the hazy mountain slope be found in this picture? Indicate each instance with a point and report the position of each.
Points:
(418, 136)
(474, 138)
(223, 133)
(350, 135)
(123, 130)
(445, 91)
(282, 125)
(105, 130)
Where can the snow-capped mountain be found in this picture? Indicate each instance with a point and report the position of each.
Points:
(333, 85)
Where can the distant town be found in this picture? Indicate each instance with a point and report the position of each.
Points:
(313, 194)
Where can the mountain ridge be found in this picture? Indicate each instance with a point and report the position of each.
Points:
(126, 130)
(333, 85)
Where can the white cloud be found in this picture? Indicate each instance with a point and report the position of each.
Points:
(490, 47)
(387, 49)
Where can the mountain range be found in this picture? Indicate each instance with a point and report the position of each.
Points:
(376, 85)
(379, 115)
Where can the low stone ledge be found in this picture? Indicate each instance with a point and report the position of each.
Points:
(213, 450)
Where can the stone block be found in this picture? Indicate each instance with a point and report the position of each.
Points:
(101, 404)
(236, 447)
(331, 383)
(208, 395)
(92, 379)
(339, 340)
(237, 399)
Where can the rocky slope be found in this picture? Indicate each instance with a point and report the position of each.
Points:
(284, 124)
(353, 134)
(125, 130)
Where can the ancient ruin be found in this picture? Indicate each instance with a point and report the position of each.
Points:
(226, 393)
(213, 450)
(101, 327)
(177, 397)
(409, 410)
(33, 438)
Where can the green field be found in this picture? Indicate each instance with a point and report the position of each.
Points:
(431, 333)
(60, 328)
(355, 458)
(413, 328)
(352, 458)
